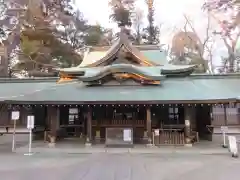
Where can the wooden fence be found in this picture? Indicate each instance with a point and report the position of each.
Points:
(169, 137)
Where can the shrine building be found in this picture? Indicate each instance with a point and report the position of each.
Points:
(125, 89)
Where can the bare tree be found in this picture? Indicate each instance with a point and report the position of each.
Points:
(188, 47)
(227, 15)
(138, 24)
(204, 46)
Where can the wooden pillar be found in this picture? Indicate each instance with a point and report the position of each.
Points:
(23, 116)
(238, 112)
(89, 127)
(187, 129)
(149, 125)
(53, 119)
(225, 114)
(5, 115)
(97, 138)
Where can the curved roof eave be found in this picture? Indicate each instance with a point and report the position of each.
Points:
(120, 68)
(169, 68)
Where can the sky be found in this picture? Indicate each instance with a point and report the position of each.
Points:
(167, 12)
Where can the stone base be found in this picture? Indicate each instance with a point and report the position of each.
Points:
(51, 145)
(234, 155)
(88, 144)
(225, 146)
(145, 140)
(97, 140)
(188, 145)
(149, 145)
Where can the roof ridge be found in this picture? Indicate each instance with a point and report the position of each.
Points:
(215, 76)
(23, 80)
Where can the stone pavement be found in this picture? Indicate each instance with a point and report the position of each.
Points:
(75, 147)
(65, 148)
(124, 166)
(73, 161)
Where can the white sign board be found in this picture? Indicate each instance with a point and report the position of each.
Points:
(156, 132)
(187, 122)
(30, 122)
(73, 110)
(15, 115)
(233, 144)
(224, 129)
(127, 135)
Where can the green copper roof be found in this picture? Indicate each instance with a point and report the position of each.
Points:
(156, 56)
(150, 71)
(153, 73)
(18, 89)
(193, 88)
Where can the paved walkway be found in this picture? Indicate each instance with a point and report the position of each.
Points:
(138, 149)
(76, 147)
(125, 166)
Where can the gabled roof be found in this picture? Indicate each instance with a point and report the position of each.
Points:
(124, 61)
(109, 55)
(153, 54)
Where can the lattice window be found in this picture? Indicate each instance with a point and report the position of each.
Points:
(230, 118)
(73, 115)
(173, 115)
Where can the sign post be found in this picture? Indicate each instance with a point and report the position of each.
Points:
(15, 117)
(224, 130)
(30, 126)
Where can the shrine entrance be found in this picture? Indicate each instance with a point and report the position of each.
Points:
(119, 118)
(97, 123)
(73, 122)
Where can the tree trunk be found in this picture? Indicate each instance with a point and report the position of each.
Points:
(231, 60)
(231, 57)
